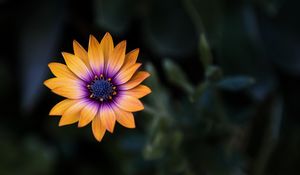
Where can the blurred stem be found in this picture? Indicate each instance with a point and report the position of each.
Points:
(150, 109)
(204, 51)
(203, 46)
(270, 137)
(189, 89)
(156, 112)
(194, 15)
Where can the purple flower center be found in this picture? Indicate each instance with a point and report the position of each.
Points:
(102, 89)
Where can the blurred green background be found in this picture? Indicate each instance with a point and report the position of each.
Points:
(225, 81)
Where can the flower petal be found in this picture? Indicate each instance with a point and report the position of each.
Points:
(128, 103)
(61, 71)
(87, 114)
(138, 92)
(66, 87)
(62, 106)
(81, 53)
(70, 92)
(53, 83)
(77, 66)
(125, 74)
(72, 114)
(124, 118)
(136, 79)
(107, 46)
(116, 60)
(107, 116)
(130, 58)
(98, 128)
(95, 55)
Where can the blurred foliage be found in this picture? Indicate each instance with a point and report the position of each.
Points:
(22, 156)
(224, 78)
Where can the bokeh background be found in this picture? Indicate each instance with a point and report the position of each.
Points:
(225, 81)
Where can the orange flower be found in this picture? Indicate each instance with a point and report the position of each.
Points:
(101, 86)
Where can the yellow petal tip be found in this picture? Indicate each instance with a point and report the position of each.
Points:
(53, 113)
(147, 90)
(107, 34)
(61, 124)
(147, 74)
(98, 140)
(50, 64)
(80, 125)
(75, 43)
(111, 130)
(130, 126)
(92, 37)
(46, 83)
(64, 54)
(124, 42)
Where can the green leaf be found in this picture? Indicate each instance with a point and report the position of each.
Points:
(153, 80)
(213, 73)
(154, 148)
(176, 76)
(199, 90)
(236, 83)
(205, 53)
(159, 98)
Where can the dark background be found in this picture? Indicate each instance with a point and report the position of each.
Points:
(225, 81)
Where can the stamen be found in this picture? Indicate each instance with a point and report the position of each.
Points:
(92, 95)
(101, 88)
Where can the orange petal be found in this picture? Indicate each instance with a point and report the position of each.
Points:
(53, 83)
(98, 128)
(77, 66)
(129, 103)
(137, 79)
(108, 118)
(115, 62)
(62, 106)
(124, 118)
(138, 92)
(70, 92)
(81, 53)
(125, 74)
(95, 55)
(107, 46)
(72, 114)
(61, 70)
(130, 58)
(87, 114)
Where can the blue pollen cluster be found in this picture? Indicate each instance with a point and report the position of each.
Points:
(101, 89)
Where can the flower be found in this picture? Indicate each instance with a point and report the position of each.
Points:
(102, 86)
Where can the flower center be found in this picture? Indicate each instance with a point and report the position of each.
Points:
(101, 89)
